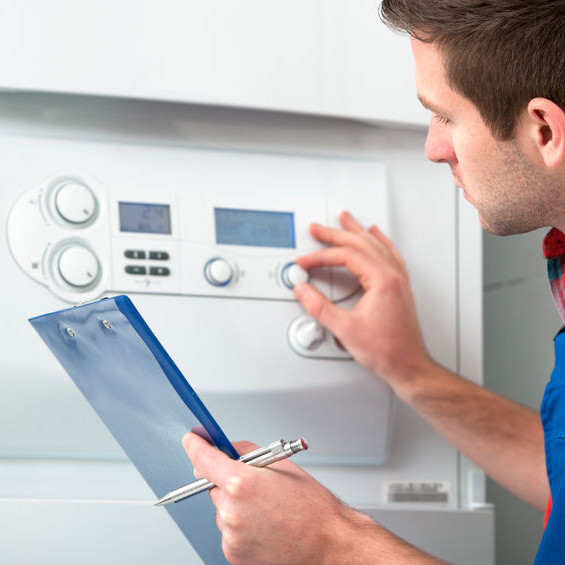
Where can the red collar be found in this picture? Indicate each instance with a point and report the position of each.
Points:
(554, 244)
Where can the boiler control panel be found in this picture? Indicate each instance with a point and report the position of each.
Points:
(83, 237)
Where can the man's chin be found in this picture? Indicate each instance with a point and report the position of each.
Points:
(502, 228)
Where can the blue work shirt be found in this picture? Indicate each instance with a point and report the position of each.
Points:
(552, 547)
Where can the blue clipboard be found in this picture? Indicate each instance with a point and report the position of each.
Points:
(118, 364)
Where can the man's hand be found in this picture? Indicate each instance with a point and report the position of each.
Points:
(383, 334)
(382, 331)
(277, 514)
(281, 515)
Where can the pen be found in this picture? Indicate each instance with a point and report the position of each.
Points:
(260, 457)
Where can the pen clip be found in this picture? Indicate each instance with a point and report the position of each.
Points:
(259, 452)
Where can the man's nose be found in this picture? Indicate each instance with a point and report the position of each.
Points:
(439, 147)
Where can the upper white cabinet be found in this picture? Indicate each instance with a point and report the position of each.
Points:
(326, 57)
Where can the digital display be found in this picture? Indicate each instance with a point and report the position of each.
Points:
(140, 217)
(258, 228)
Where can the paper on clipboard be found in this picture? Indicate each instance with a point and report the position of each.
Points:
(118, 364)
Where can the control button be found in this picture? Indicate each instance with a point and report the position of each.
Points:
(310, 339)
(158, 255)
(293, 274)
(218, 272)
(159, 271)
(134, 254)
(75, 203)
(136, 270)
(310, 334)
(78, 266)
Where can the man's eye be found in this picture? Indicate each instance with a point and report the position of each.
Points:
(441, 119)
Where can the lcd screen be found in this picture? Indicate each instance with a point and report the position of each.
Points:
(257, 228)
(145, 218)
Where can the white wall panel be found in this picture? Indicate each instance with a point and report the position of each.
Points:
(325, 57)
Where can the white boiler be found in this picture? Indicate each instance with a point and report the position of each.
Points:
(177, 152)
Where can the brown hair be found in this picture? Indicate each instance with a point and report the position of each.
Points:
(497, 53)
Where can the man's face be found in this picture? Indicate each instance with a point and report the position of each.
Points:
(497, 177)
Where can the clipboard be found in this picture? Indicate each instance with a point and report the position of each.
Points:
(126, 375)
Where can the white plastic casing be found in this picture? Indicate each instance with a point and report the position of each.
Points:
(66, 232)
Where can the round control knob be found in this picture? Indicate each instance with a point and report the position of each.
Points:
(293, 274)
(218, 272)
(78, 266)
(75, 203)
(310, 334)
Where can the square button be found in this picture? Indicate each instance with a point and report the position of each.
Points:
(134, 254)
(158, 255)
(136, 270)
(159, 271)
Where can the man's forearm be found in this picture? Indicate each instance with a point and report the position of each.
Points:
(361, 541)
(501, 436)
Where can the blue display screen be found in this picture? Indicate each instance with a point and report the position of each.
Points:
(140, 217)
(257, 228)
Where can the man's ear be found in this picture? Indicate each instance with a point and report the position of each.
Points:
(546, 127)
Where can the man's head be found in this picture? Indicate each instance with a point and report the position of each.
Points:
(498, 53)
(498, 110)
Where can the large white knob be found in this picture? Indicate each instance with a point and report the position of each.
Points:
(218, 272)
(293, 274)
(310, 334)
(75, 203)
(78, 266)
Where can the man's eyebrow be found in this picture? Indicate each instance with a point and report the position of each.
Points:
(431, 106)
(426, 103)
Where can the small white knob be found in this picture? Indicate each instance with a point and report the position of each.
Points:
(310, 334)
(293, 274)
(78, 266)
(75, 203)
(218, 272)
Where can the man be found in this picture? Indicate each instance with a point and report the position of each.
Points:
(493, 75)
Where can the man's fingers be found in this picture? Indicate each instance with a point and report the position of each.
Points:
(387, 243)
(346, 245)
(318, 306)
(353, 260)
(243, 447)
(356, 262)
(335, 236)
(331, 236)
(349, 223)
(210, 461)
(330, 257)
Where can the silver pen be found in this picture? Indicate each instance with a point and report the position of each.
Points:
(260, 457)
